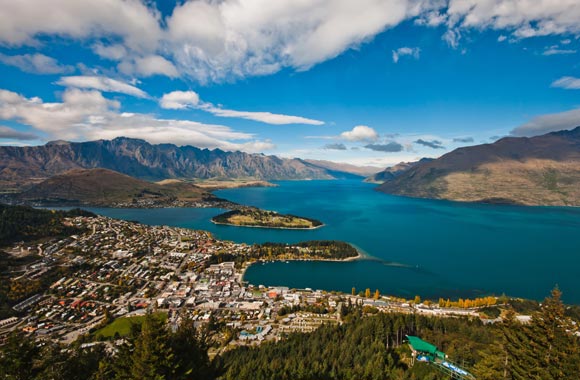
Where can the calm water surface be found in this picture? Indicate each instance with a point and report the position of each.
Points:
(430, 248)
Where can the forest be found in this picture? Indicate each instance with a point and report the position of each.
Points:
(363, 347)
(306, 250)
(24, 223)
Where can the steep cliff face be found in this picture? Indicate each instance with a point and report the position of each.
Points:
(542, 170)
(137, 158)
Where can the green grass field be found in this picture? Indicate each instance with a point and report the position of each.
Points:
(123, 325)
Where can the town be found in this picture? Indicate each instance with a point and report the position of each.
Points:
(118, 270)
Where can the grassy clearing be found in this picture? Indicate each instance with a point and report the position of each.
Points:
(123, 325)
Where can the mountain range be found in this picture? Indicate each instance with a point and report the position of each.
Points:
(541, 170)
(20, 166)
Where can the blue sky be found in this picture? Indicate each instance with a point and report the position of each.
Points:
(371, 82)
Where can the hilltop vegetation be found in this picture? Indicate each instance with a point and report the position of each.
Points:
(23, 223)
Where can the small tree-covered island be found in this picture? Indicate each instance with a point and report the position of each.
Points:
(253, 217)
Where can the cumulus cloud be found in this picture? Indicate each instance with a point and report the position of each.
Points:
(463, 139)
(216, 41)
(190, 99)
(114, 52)
(132, 21)
(568, 83)
(360, 133)
(148, 66)
(388, 147)
(435, 144)
(35, 63)
(259, 37)
(11, 133)
(210, 40)
(102, 84)
(86, 114)
(406, 51)
(178, 100)
(337, 146)
(524, 18)
(542, 124)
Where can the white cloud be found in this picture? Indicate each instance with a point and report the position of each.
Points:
(568, 83)
(102, 84)
(406, 51)
(555, 51)
(452, 36)
(11, 133)
(434, 18)
(216, 41)
(154, 65)
(259, 37)
(87, 115)
(542, 124)
(264, 117)
(526, 18)
(136, 24)
(360, 133)
(114, 52)
(178, 100)
(501, 38)
(190, 99)
(35, 63)
(210, 40)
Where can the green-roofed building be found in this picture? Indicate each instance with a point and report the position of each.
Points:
(428, 353)
(425, 348)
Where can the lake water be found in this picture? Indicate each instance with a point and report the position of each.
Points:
(424, 247)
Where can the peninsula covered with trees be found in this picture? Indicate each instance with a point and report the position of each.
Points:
(253, 217)
(331, 250)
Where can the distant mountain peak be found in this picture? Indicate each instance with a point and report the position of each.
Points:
(138, 158)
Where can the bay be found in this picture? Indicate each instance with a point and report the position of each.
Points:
(414, 246)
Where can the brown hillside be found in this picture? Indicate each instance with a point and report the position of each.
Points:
(106, 187)
(541, 170)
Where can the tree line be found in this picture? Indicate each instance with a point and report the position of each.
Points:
(364, 347)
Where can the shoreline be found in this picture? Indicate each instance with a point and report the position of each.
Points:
(267, 227)
(246, 265)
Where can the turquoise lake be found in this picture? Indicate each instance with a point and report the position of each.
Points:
(425, 247)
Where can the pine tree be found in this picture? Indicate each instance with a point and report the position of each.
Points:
(148, 355)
